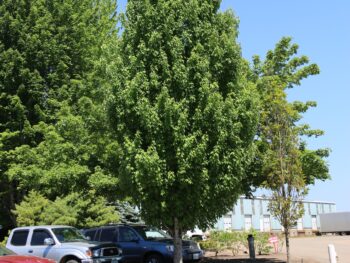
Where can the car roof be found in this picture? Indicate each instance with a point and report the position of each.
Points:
(45, 226)
(114, 225)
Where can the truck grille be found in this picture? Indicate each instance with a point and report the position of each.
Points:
(110, 251)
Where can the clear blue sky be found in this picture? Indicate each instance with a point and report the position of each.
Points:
(321, 29)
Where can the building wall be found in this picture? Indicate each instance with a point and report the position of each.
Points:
(255, 213)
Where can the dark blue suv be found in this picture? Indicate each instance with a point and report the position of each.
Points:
(143, 244)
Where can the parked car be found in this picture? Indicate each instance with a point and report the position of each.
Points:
(143, 244)
(196, 234)
(64, 244)
(8, 256)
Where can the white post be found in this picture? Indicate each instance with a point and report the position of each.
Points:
(332, 254)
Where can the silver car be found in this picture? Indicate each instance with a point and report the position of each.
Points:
(64, 244)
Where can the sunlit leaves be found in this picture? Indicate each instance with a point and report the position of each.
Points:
(183, 111)
(83, 209)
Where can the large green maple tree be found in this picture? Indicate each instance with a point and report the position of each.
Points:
(183, 112)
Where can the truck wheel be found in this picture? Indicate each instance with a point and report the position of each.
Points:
(153, 258)
(72, 261)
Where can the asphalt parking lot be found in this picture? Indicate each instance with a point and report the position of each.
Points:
(303, 250)
(315, 249)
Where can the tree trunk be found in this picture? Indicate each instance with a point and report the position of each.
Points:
(177, 242)
(286, 233)
(11, 201)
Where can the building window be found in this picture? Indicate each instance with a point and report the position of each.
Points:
(253, 207)
(242, 207)
(309, 208)
(227, 222)
(261, 207)
(267, 223)
(248, 222)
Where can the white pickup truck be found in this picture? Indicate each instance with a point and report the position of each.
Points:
(63, 244)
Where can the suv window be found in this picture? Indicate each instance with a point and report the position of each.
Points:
(19, 237)
(126, 235)
(108, 234)
(90, 234)
(39, 236)
(150, 233)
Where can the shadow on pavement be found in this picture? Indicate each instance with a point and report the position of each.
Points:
(242, 260)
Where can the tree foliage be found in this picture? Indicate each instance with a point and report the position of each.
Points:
(280, 71)
(286, 166)
(68, 160)
(52, 84)
(76, 209)
(183, 112)
(128, 213)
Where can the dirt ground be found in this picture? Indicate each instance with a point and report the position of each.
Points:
(302, 249)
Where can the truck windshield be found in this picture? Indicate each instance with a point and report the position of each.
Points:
(68, 234)
(149, 233)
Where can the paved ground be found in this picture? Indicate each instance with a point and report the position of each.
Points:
(303, 250)
(315, 249)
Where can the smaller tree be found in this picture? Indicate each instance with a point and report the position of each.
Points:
(75, 209)
(128, 213)
(59, 212)
(93, 210)
(285, 164)
(284, 170)
(29, 211)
